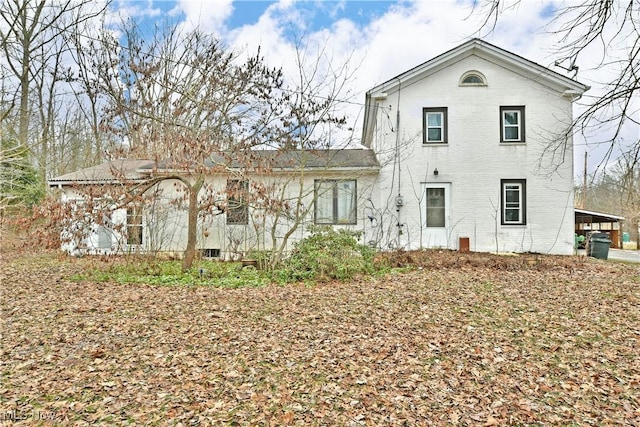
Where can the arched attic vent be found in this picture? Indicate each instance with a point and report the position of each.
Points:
(473, 78)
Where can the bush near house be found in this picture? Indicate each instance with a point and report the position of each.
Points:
(327, 254)
(324, 255)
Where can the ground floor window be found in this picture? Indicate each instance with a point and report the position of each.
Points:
(436, 208)
(513, 202)
(237, 207)
(134, 225)
(335, 202)
(104, 238)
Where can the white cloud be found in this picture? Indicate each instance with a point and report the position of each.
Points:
(138, 10)
(204, 14)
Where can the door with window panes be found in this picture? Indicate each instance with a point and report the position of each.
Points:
(435, 215)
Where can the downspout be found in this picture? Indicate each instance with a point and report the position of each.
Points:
(399, 200)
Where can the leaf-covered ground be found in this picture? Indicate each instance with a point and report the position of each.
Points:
(465, 340)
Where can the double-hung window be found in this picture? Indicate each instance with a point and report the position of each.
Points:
(134, 225)
(335, 201)
(434, 123)
(513, 201)
(237, 207)
(512, 124)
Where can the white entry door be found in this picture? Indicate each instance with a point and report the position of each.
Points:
(435, 212)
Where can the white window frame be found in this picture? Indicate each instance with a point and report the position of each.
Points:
(331, 196)
(473, 75)
(134, 228)
(504, 125)
(442, 112)
(444, 207)
(508, 185)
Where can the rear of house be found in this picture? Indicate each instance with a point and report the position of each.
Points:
(473, 144)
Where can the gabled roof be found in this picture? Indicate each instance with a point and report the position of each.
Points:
(104, 173)
(515, 63)
(488, 51)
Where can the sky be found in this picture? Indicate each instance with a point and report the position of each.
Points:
(379, 39)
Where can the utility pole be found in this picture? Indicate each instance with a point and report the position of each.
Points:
(584, 183)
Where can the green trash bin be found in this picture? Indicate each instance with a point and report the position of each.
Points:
(599, 244)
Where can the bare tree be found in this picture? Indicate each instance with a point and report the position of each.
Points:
(31, 36)
(195, 108)
(617, 189)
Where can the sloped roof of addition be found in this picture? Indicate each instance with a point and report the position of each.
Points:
(103, 173)
(326, 159)
(138, 170)
(566, 86)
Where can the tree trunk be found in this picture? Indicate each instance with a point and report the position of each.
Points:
(192, 230)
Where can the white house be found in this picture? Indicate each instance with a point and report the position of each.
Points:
(471, 147)
(474, 144)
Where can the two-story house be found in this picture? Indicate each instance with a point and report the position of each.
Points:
(475, 144)
(472, 146)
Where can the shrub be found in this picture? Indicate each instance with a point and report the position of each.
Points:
(327, 254)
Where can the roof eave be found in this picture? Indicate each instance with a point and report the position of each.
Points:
(469, 48)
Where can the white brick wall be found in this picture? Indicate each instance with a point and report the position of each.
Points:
(474, 161)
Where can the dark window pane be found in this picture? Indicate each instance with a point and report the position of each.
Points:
(435, 207)
(472, 79)
(511, 118)
(237, 207)
(511, 133)
(434, 119)
(512, 215)
(435, 134)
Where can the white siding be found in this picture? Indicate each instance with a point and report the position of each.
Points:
(165, 218)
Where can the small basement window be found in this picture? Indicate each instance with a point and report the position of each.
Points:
(211, 253)
(473, 78)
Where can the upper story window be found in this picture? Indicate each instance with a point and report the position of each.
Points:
(434, 123)
(512, 124)
(473, 78)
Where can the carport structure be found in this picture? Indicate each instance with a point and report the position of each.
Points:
(587, 221)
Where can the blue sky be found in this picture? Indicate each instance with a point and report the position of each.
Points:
(378, 38)
(320, 13)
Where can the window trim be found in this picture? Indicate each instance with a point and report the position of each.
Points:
(334, 202)
(425, 128)
(522, 183)
(521, 124)
(134, 212)
(240, 215)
